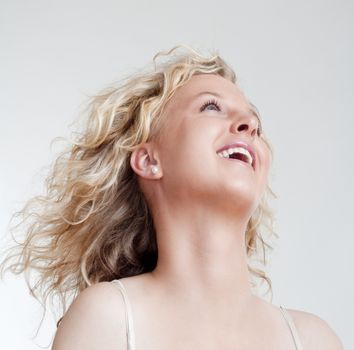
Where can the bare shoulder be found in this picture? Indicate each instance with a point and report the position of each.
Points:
(314, 332)
(94, 320)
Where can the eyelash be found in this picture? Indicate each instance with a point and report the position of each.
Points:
(217, 105)
(210, 102)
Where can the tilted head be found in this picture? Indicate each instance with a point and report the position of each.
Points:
(95, 223)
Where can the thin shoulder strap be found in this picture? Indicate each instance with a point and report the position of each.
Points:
(128, 316)
(292, 328)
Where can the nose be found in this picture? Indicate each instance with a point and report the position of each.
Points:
(245, 123)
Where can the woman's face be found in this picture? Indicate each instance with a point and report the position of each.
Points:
(205, 116)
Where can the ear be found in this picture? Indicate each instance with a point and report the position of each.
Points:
(144, 163)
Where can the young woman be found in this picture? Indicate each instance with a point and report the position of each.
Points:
(153, 215)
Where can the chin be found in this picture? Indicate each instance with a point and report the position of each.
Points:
(243, 199)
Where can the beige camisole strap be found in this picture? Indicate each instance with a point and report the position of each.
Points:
(128, 316)
(292, 328)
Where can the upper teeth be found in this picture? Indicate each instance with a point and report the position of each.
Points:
(228, 152)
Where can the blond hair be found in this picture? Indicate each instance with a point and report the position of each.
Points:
(94, 224)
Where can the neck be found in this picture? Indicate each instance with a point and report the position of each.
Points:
(204, 250)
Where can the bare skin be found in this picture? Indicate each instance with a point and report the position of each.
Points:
(199, 295)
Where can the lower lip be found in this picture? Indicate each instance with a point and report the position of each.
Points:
(239, 161)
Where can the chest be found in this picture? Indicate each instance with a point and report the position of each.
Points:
(193, 334)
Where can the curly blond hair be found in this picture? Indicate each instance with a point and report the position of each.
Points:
(94, 224)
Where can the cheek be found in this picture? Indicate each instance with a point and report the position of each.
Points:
(189, 152)
(266, 159)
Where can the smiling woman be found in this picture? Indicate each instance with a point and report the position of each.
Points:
(154, 218)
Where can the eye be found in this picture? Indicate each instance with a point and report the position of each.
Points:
(259, 128)
(212, 103)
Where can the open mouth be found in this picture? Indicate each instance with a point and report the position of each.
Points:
(239, 153)
(239, 156)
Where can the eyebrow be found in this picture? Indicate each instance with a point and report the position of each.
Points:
(253, 110)
(207, 92)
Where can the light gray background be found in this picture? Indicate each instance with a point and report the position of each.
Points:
(294, 60)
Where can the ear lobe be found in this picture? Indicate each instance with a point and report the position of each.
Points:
(142, 162)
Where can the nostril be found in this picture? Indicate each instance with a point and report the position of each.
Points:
(242, 127)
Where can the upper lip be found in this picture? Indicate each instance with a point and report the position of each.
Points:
(243, 144)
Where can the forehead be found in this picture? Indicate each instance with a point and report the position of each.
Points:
(213, 83)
